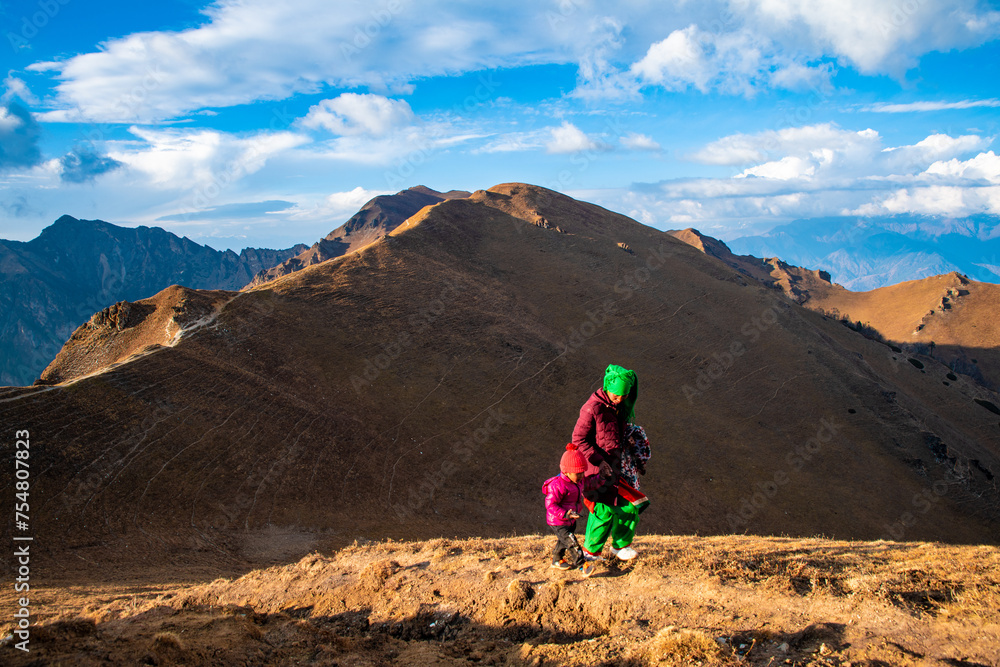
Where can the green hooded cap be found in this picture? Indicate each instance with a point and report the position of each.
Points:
(623, 382)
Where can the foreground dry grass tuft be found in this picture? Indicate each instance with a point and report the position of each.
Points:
(732, 600)
(682, 647)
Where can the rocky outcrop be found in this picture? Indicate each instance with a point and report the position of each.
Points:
(796, 282)
(127, 330)
(948, 301)
(121, 315)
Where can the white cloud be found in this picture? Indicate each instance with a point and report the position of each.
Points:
(568, 138)
(599, 75)
(205, 159)
(337, 205)
(985, 166)
(933, 148)
(405, 147)
(354, 114)
(799, 77)
(785, 169)
(640, 142)
(875, 36)
(15, 88)
(952, 188)
(824, 170)
(739, 149)
(931, 106)
(947, 200)
(564, 139)
(353, 199)
(677, 62)
(517, 141)
(9, 121)
(260, 50)
(739, 62)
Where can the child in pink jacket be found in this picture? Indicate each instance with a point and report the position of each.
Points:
(563, 502)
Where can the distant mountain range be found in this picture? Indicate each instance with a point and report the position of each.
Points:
(867, 253)
(52, 284)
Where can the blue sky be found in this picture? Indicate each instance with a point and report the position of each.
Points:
(260, 123)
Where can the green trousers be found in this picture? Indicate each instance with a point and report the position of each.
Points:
(618, 522)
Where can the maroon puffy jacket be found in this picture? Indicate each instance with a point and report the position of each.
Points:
(598, 436)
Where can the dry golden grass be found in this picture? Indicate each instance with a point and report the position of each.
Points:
(673, 646)
(167, 641)
(685, 601)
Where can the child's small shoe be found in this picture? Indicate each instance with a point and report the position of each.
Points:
(589, 567)
(561, 564)
(591, 557)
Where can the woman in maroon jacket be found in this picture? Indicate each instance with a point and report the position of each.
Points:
(599, 436)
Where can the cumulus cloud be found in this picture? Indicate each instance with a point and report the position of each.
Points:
(934, 148)
(568, 138)
(639, 142)
(201, 158)
(954, 188)
(946, 200)
(787, 168)
(875, 37)
(787, 44)
(740, 149)
(737, 63)
(823, 170)
(983, 167)
(260, 50)
(676, 62)
(19, 135)
(354, 114)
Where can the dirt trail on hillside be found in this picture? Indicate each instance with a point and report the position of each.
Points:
(685, 600)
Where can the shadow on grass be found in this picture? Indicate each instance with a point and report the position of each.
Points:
(234, 635)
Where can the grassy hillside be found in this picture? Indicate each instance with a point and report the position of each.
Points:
(426, 386)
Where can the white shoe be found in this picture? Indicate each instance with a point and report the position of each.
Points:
(627, 553)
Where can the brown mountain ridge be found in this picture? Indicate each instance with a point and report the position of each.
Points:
(376, 219)
(948, 317)
(425, 385)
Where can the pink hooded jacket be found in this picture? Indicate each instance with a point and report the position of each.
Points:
(561, 495)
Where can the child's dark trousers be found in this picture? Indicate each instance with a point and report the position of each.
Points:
(567, 548)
